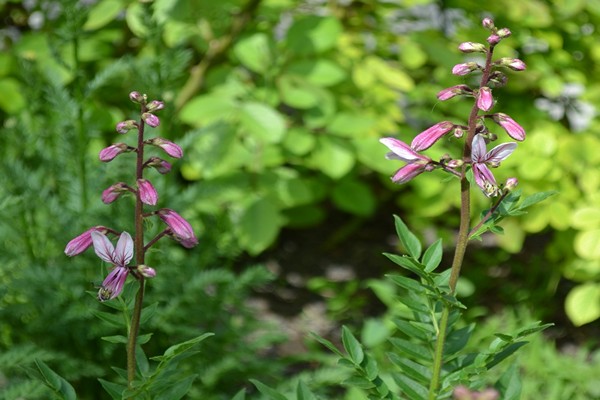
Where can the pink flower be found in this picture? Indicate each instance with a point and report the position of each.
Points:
(109, 153)
(485, 100)
(513, 129)
(465, 68)
(471, 47)
(482, 174)
(181, 230)
(159, 164)
(114, 192)
(125, 126)
(169, 147)
(452, 91)
(146, 271)
(79, 244)
(416, 163)
(119, 257)
(147, 192)
(428, 137)
(151, 119)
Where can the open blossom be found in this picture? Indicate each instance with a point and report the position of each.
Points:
(148, 194)
(481, 159)
(79, 244)
(119, 257)
(169, 147)
(428, 137)
(485, 100)
(452, 91)
(181, 230)
(416, 163)
(513, 129)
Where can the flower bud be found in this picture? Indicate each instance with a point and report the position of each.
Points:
(485, 100)
(159, 164)
(151, 119)
(136, 97)
(459, 131)
(181, 230)
(146, 271)
(488, 23)
(155, 105)
(465, 68)
(125, 126)
(169, 147)
(511, 183)
(147, 193)
(79, 244)
(114, 192)
(471, 47)
(428, 137)
(503, 33)
(455, 163)
(498, 79)
(513, 63)
(511, 127)
(493, 39)
(452, 91)
(109, 153)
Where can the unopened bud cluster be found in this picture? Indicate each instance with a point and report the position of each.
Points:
(145, 192)
(480, 160)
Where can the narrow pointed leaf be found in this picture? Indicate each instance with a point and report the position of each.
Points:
(327, 344)
(407, 238)
(433, 256)
(411, 349)
(113, 389)
(352, 346)
(412, 389)
(303, 392)
(268, 391)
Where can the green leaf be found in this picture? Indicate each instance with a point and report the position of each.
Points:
(509, 383)
(136, 17)
(412, 389)
(185, 346)
(370, 368)
(241, 395)
(505, 353)
(458, 339)
(352, 346)
(582, 304)
(407, 283)
(587, 244)
(333, 156)
(433, 256)
(354, 197)
(255, 53)
(115, 339)
(299, 141)
(359, 382)
(206, 109)
(407, 238)
(351, 125)
(327, 344)
(536, 198)
(259, 225)
(102, 13)
(177, 390)
(112, 319)
(313, 34)
(262, 121)
(115, 390)
(319, 72)
(12, 100)
(268, 391)
(586, 218)
(411, 349)
(303, 392)
(413, 370)
(409, 264)
(411, 330)
(55, 382)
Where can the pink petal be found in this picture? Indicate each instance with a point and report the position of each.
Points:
(103, 247)
(124, 251)
(403, 151)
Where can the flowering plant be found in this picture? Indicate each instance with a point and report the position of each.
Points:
(121, 255)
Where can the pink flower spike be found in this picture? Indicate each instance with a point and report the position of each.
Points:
(181, 230)
(485, 100)
(452, 91)
(114, 192)
(151, 119)
(147, 192)
(109, 153)
(428, 137)
(401, 151)
(79, 244)
(119, 257)
(169, 147)
(513, 129)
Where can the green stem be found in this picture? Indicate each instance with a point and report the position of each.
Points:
(463, 234)
(139, 258)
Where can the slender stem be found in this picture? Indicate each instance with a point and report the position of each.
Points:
(463, 234)
(139, 258)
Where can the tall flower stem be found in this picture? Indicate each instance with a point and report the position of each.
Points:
(462, 237)
(139, 258)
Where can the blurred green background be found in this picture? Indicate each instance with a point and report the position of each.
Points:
(279, 106)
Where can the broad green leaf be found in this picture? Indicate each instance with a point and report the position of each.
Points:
(294, 192)
(433, 256)
(313, 34)
(375, 331)
(297, 92)
(582, 304)
(12, 99)
(299, 141)
(137, 17)
(254, 52)
(206, 109)
(352, 346)
(370, 368)
(103, 13)
(241, 395)
(457, 340)
(268, 391)
(587, 244)
(351, 125)
(333, 156)
(258, 225)
(411, 54)
(263, 121)
(509, 383)
(354, 197)
(586, 218)
(176, 390)
(319, 72)
(407, 238)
